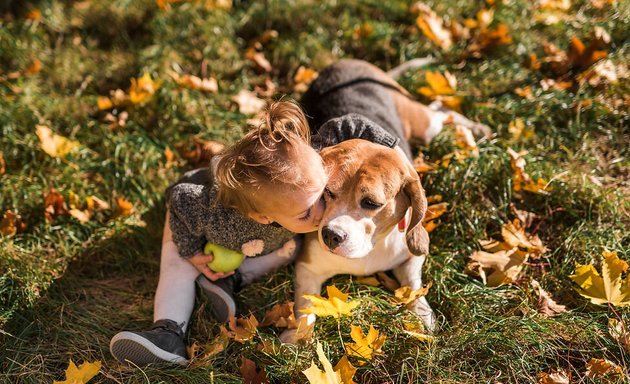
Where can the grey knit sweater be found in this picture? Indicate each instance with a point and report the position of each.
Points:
(196, 217)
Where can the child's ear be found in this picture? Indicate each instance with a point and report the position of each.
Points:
(260, 218)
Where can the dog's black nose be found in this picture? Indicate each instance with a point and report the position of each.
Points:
(332, 238)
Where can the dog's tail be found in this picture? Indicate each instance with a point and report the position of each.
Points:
(395, 73)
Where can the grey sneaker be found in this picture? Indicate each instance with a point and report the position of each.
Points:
(220, 293)
(163, 343)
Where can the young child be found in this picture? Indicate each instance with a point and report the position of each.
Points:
(254, 198)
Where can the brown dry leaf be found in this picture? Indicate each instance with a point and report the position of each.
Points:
(2, 164)
(435, 211)
(406, 295)
(198, 152)
(200, 354)
(599, 4)
(280, 316)
(11, 224)
(514, 235)
(243, 329)
(619, 331)
(259, 59)
(251, 374)
(432, 26)
(582, 56)
(417, 330)
(525, 92)
(555, 377)
(421, 166)
(521, 180)
(596, 368)
(34, 68)
(248, 103)
(499, 268)
(526, 218)
(53, 144)
(546, 304)
(603, 73)
(532, 62)
(196, 83)
(365, 346)
(268, 89)
(303, 78)
(54, 205)
(389, 283)
(123, 207)
(465, 140)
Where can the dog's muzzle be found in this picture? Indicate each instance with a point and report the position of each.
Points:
(333, 237)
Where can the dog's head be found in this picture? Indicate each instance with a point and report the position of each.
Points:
(369, 191)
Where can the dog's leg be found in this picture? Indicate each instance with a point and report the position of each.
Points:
(478, 130)
(307, 282)
(409, 274)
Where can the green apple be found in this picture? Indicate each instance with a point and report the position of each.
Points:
(225, 260)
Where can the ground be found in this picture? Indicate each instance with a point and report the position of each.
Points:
(67, 287)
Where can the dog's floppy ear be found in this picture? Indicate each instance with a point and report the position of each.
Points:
(417, 236)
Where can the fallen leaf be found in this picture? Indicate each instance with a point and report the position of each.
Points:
(53, 144)
(596, 368)
(417, 331)
(554, 4)
(599, 4)
(363, 31)
(336, 305)
(346, 370)
(619, 331)
(54, 205)
(84, 373)
(532, 62)
(546, 305)
(365, 346)
(514, 234)
(200, 354)
(498, 268)
(609, 287)
(555, 377)
(303, 78)
(432, 26)
(243, 329)
(435, 211)
(143, 88)
(11, 224)
(123, 207)
(518, 130)
(525, 92)
(525, 217)
(34, 15)
(431, 225)
(521, 181)
(34, 68)
(2, 164)
(603, 73)
(434, 199)
(406, 295)
(209, 85)
(547, 84)
(251, 374)
(198, 152)
(329, 375)
(248, 103)
(259, 59)
(280, 316)
(421, 166)
(442, 88)
(368, 280)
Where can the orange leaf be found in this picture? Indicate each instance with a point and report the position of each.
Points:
(34, 68)
(243, 329)
(123, 207)
(251, 374)
(11, 224)
(54, 205)
(81, 375)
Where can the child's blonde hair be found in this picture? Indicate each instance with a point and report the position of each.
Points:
(263, 156)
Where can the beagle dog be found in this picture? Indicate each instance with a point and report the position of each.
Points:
(373, 222)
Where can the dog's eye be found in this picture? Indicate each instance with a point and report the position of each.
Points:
(369, 204)
(328, 194)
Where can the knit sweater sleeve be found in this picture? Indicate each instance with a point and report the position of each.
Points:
(352, 126)
(187, 212)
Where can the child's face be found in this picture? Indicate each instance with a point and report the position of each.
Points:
(301, 212)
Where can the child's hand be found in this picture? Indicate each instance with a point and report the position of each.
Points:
(200, 261)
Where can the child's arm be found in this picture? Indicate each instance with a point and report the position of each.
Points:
(352, 126)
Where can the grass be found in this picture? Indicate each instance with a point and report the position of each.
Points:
(67, 287)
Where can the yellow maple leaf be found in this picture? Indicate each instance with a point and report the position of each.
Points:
(303, 78)
(365, 346)
(609, 287)
(336, 305)
(341, 374)
(406, 295)
(417, 330)
(438, 84)
(142, 89)
(84, 373)
(432, 26)
(53, 144)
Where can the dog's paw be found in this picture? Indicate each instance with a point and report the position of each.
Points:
(422, 308)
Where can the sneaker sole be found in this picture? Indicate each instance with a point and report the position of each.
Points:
(127, 347)
(228, 302)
